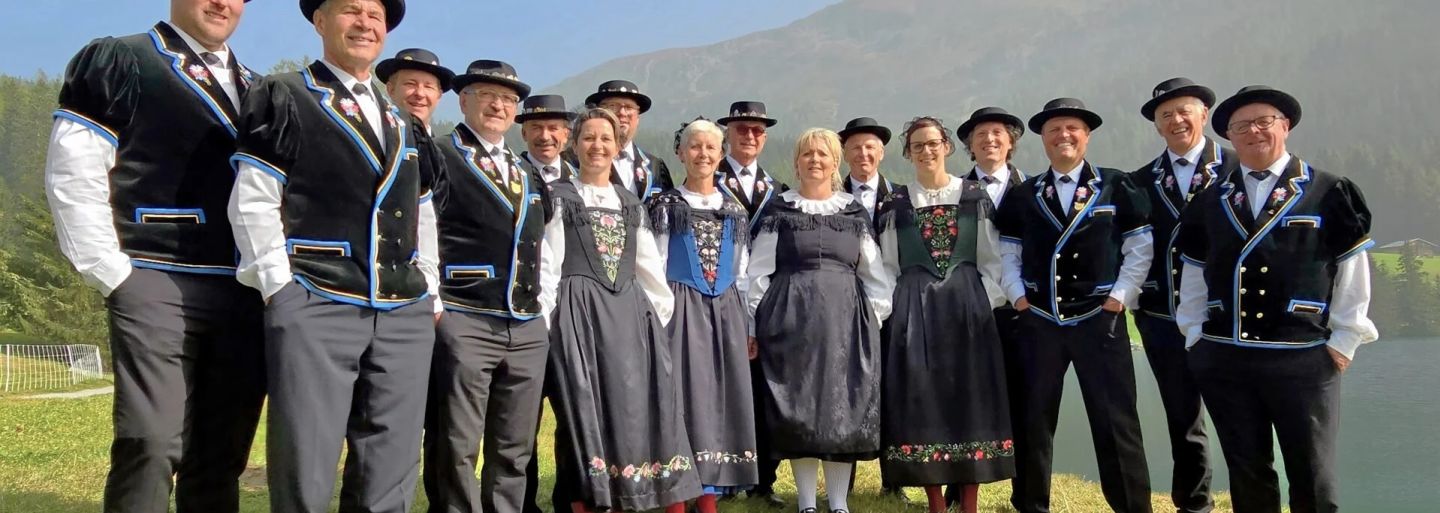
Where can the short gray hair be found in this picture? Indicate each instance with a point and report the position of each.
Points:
(699, 126)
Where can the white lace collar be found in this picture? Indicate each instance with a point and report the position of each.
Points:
(712, 201)
(835, 203)
(947, 194)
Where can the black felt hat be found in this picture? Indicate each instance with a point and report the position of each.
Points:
(1247, 95)
(988, 114)
(747, 111)
(1062, 107)
(621, 88)
(1176, 88)
(492, 72)
(394, 11)
(418, 59)
(544, 106)
(865, 126)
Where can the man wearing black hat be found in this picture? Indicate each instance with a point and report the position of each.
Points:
(545, 125)
(415, 79)
(989, 137)
(740, 174)
(639, 171)
(864, 142)
(1076, 245)
(137, 176)
(496, 287)
(1179, 108)
(327, 221)
(1274, 297)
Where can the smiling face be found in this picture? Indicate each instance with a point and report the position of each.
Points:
(864, 152)
(1181, 121)
(815, 164)
(701, 156)
(545, 137)
(416, 91)
(1065, 139)
(353, 32)
(991, 144)
(596, 145)
(928, 147)
(489, 108)
(1257, 147)
(747, 140)
(210, 22)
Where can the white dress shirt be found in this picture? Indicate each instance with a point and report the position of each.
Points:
(369, 103)
(77, 186)
(649, 267)
(1259, 190)
(987, 247)
(1185, 174)
(497, 154)
(996, 190)
(747, 180)
(220, 71)
(869, 194)
(877, 283)
(625, 165)
(548, 176)
(1065, 192)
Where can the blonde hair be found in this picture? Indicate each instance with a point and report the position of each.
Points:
(824, 139)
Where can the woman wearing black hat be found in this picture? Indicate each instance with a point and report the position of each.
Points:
(818, 293)
(946, 411)
(704, 239)
(621, 438)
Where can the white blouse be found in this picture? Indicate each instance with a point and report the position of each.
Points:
(987, 247)
(878, 284)
(649, 266)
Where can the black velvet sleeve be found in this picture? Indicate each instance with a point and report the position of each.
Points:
(1346, 220)
(269, 127)
(101, 86)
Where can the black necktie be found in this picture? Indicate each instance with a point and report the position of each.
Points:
(1066, 179)
(625, 154)
(745, 172)
(989, 180)
(1260, 175)
(550, 171)
(1182, 162)
(360, 90)
(210, 58)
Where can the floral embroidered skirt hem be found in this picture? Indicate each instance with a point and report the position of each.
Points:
(945, 411)
(613, 391)
(712, 364)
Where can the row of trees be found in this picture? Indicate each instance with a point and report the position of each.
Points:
(42, 296)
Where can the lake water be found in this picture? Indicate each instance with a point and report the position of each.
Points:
(1389, 454)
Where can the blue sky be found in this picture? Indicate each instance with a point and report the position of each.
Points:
(546, 41)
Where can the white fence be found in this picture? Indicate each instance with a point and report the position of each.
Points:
(24, 368)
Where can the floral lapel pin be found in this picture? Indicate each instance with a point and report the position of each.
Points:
(200, 73)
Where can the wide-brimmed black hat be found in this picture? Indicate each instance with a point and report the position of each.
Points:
(1247, 95)
(1176, 88)
(394, 11)
(987, 114)
(492, 72)
(865, 126)
(418, 59)
(544, 106)
(1061, 107)
(623, 88)
(747, 111)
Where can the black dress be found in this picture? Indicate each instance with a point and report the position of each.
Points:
(621, 432)
(704, 240)
(819, 293)
(946, 416)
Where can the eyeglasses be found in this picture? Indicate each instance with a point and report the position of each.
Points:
(1262, 123)
(620, 108)
(753, 131)
(932, 145)
(509, 100)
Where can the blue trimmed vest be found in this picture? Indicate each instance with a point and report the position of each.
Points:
(1070, 255)
(1270, 278)
(490, 234)
(1160, 294)
(688, 239)
(173, 130)
(350, 208)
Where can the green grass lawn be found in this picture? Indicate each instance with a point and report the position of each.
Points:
(54, 456)
(1430, 265)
